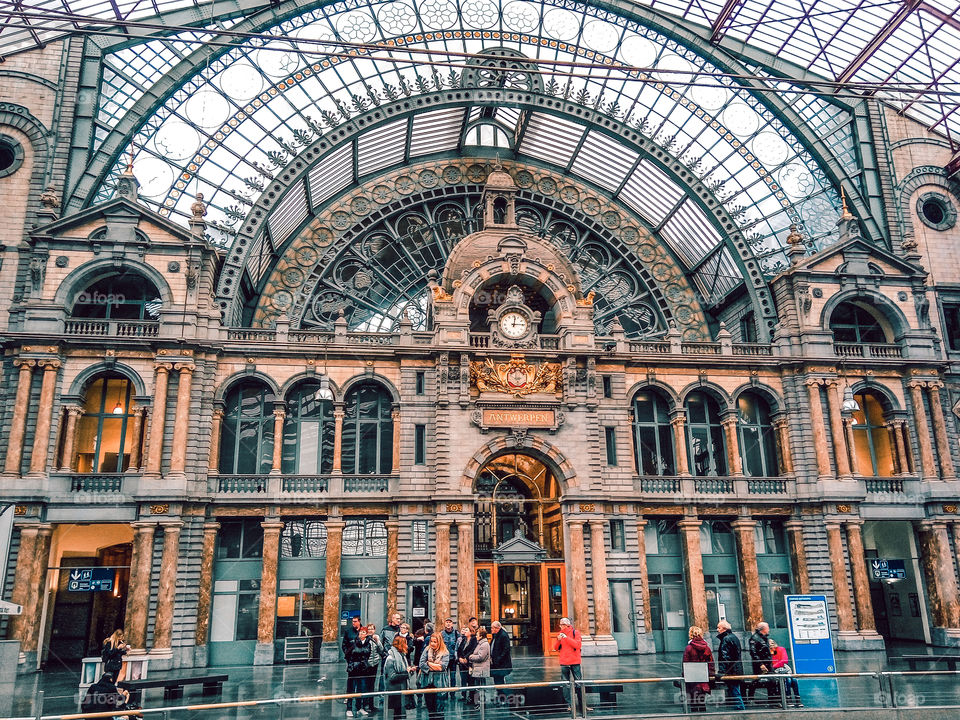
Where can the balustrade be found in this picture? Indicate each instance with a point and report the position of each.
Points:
(883, 485)
(713, 485)
(100, 483)
(867, 350)
(111, 328)
(366, 483)
(305, 484)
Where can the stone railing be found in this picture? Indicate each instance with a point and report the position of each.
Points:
(659, 484)
(700, 348)
(766, 486)
(713, 485)
(112, 328)
(884, 485)
(752, 349)
(243, 483)
(365, 483)
(97, 483)
(305, 484)
(868, 350)
(251, 335)
(650, 347)
(545, 342)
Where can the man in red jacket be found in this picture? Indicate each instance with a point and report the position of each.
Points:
(568, 644)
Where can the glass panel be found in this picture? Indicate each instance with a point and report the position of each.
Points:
(228, 540)
(288, 615)
(656, 609)
(622, 600)
(675, 607)
(555, 597)
(248, 611)
(223, 618)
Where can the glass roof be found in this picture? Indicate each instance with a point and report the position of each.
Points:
(911, 46)
(242, 116)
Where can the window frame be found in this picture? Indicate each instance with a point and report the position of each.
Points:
(610, 443)
(355, 439)
(766, 432)
(234, 420)
(102, 415)
(717, 449)
(419, 444)
(293, 429)
(664, 448)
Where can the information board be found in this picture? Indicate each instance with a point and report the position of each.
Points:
(811, 648)
(90, 579)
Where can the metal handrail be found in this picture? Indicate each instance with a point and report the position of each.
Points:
(878, 674)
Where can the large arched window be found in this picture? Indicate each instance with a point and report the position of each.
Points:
(854, 323)
(246, 440)
(308, 431)
(871, 439)
(705, 436)
(367, 430)
(652, 434)
(126, 296)
(105, 435)
(758, 447)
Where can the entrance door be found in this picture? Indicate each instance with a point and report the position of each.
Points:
(528, 600)
(668, 612)
(622, 615)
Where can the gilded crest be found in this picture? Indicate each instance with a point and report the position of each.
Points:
(516, 377)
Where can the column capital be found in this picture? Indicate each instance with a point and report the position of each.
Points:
(184, 367)
(814, 382)
(679, 417)
(781, 420)
(852, 523)
(744, 522)
(916, 384)
(575, 521)
(394, 412)
(793, 525)
(144, 527)
(642, 523)
(140, 410)
(28, 363)
(211, 527)
(278, 413)
(174, 526)
(334, 526)
(929, 524)
(597, 523)
(338, 412)
(935, 384)
(461, 522)
(690, 524)
(162, 368)
(832, 525)
(272, 526)
(443, 521)
(48, 364)
(75, 410)
(218, 412)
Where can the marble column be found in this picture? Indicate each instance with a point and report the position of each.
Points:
(181, 426)
(393, 564)
(216, 428)
(441, 588)
(30, 586)
(157, 420)
(601, 586)
(678, 426)
(784, 454)
(861, 583)
(337, 437)
(395, 416)
(466, 573)
(734, 460)
(947, 471)
(267, 617)
(70, 437)
(841, 453)
(578, 575)
(904, 444)
(279, 415)
(696, 589)
(145, 439)
(841, 587)
(798, 556)
(136, 433)
(851, 447)
(819, 431)
(138, 591)
(330, 649)
(927, 466)
(166, 592)
(745, 529)
(895, 455)
(941, 578)
(41, 437)
(205, 585)
(642, 568)
(18, 423)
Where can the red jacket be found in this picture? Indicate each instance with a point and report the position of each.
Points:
(780, 657)
(569, 648)
(697, 651)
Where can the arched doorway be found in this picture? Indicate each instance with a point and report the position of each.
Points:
(519, 550)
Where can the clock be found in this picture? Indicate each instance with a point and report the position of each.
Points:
(514, 325)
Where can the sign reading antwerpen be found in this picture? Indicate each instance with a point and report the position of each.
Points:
(90, 579)
(811, 648)
(519, 418)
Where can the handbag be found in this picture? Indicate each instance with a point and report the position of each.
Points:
(373, 659)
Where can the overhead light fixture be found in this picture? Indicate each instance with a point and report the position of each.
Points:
(324, 393)
(849, 403)
(118, 409)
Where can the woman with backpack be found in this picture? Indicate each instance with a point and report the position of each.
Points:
(434, 662)
(396, 673)
(697, 651)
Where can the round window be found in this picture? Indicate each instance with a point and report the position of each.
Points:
(11, 155)
(936, 211)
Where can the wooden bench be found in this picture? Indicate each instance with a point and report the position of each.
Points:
(173, 687)
(912, 660)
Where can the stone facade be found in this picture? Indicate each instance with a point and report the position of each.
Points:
(167, 507)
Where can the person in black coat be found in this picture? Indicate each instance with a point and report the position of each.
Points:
(104, 696)
(762, 662)
(729, 654)
(500, 662)
(465, 648)
(356, 652)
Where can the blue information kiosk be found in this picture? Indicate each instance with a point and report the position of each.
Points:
(811, 648)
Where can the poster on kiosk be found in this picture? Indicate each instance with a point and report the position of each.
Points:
(811, 648)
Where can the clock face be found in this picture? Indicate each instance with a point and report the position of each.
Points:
(514, 325)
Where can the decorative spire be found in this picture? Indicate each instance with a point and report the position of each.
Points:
(198, 209)
(796, 249)
(127, 184)
(846, 214)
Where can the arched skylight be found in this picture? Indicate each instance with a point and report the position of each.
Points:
(247, 113)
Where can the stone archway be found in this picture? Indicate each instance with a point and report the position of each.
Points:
(523, 442)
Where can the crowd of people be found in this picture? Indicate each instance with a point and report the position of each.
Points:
(396, 659)
(766, 658)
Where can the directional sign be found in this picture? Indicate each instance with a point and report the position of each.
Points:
(9, 608)
(90, 579)
(881, 569)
